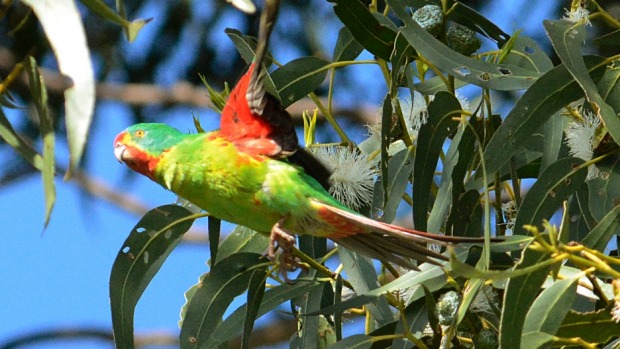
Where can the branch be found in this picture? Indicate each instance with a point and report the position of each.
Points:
(182, 92)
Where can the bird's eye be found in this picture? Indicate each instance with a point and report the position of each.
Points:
(139, 133)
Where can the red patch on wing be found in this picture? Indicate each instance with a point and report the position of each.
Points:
(248, 132)
(341, 227)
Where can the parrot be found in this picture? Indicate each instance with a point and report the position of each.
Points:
(253, 172)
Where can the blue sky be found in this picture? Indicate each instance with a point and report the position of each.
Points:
(59, 278)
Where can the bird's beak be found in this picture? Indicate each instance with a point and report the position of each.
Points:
(119, 147)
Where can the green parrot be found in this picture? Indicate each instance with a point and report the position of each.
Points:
(252, 172)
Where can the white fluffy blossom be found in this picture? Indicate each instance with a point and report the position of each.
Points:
(509, 210)
(415, 113)
(577, 14)
(353, 176)
(579, 136)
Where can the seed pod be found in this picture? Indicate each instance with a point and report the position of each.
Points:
(462, 39)
(429, 17)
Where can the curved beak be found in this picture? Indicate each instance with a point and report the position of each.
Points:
(119, 147)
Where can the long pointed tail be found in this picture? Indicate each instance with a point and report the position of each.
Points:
(384, 241)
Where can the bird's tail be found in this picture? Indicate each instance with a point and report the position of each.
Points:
(387, 242)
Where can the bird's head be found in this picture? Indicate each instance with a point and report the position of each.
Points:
(140, 146)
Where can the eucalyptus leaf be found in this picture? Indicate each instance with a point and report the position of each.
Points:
(593, 327)
(378, 39)
(398, 174)
(347, 48)
(363, 277)
(63, 27)
(554, 90)
(227, 279)
(39, 96)
(231, 326)
(556, 184)
(599, 237)
(519, 295)
(142, 255)
(604, 190)
(431, 137)
(567, 39)
(550, 307)
(298, 78)
(8, 134)
(241, 239)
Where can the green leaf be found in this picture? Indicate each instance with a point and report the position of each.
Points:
(536, 340)
(256, 291)
(308, 337)
(130, 29)
(8, 134)
(416, 319)
(363, 277)
(604, 190)
(39, 97)
(226, 280)
(527, 54)
(518, 297)
(484, 74)
(556, 183)
(442, 202)
(601, 234)
(595, 327)
(398, 172)
(231, 326)
(466, 215)
(347, 48)
(143, 253)
(609, 88)
(62, 24)
(431, 138)
(553, 131)
(375, 37)
(554, 90)
(550, 307)
(246, 45)
(241, 239)
(297, 78)
(567, 39)
(511, 243)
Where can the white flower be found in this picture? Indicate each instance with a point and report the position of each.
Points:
(577, 14)
(353, 176)
(579, 137)
(509, 209)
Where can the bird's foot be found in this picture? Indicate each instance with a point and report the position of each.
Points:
(279, 238)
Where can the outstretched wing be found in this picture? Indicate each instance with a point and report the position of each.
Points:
(256, 122)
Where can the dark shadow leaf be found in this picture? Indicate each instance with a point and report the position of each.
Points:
(545, 197)
(375, 37)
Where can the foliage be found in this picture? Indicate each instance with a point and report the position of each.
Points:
(460, 170)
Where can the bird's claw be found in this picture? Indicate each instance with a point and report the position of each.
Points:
(280, 239)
